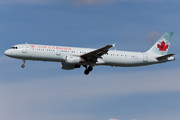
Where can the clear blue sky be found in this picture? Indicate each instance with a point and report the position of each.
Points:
(44, 91)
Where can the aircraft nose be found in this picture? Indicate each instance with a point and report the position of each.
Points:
(6, 52)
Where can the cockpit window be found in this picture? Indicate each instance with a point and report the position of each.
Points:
(14, 47)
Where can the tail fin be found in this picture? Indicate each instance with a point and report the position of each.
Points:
(162, 45)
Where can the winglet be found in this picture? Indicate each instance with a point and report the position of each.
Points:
(114, 44)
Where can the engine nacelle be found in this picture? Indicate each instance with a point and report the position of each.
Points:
(73, 59)
(66, 66)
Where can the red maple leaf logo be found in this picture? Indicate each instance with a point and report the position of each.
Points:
(162, 46)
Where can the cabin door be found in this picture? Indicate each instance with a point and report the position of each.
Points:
(24, 48)
(58, 52)
(145, 57)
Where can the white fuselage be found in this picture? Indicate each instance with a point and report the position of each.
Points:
(59, 54)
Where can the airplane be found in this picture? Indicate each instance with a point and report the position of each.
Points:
(74, 57)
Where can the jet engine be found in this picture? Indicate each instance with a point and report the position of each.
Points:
(67, 66)
(73, 59)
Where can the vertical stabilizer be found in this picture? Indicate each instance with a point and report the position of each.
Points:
(162, 45)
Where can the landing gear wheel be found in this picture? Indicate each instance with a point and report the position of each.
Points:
(90, 68)
(22, 65)
(86, 72)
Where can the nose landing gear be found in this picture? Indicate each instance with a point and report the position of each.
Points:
(88, 69)
(23, 65)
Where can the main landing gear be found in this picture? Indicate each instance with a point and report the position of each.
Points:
(23, 65)
(88, 69)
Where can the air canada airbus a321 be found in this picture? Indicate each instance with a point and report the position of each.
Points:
(73, 57)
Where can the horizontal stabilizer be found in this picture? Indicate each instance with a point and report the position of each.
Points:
(164, 57)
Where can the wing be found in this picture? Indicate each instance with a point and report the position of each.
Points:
(94, 55)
